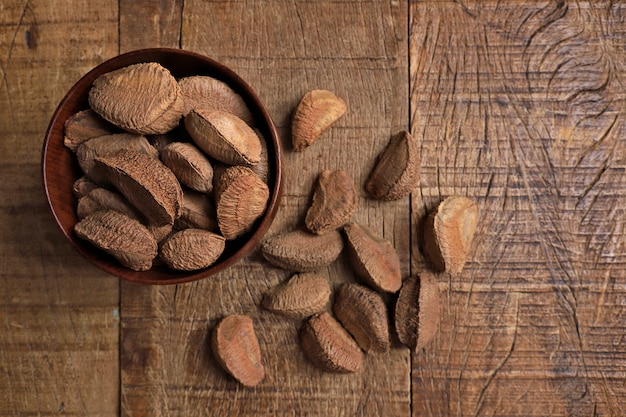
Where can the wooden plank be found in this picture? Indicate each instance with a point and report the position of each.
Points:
(518, 105)
(58, 315)
(358, 50)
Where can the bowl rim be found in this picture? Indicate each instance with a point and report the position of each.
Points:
(218, 70)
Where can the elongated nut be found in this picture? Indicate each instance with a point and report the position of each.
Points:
(88, 151)
(316, 112)
(191, 249)
(299, 297)
(374, 258)
(262, 168)
(142, 98)
(224, 136)
(329, 346)
(237, 350)
(204, 92)
(85, 125)
(103, 199)
(396, 172)
(146, 183)
(126, 239)
(417, 311)
(334, 202)
(241, 198)
(364, 314)
(448, 233)
(189, 164)
(83, 186)
(198, 212)
(301, 251)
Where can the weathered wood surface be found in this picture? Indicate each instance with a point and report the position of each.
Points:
(59, 317)
(520, 106)
(516, 104)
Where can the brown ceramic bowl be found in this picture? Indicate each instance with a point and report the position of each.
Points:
(60, 168)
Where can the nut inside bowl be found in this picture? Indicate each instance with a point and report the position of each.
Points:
(60, 168)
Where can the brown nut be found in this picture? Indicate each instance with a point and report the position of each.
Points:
(329, 346)
(374, 258)
(396, 172)
(198, 212)
(103, 199)
(142, 98)
(448, 233)
(83, 186)
(126, 239)
(191, 249)
(237, 350)
(200, 91)
(364, 314)
(146, 183)
(316, 112)
(299, 297)
(224, 136)
(301, 251)
(85, 125)
(334, 202)
(189, 164)
(240, 198)
(417, 311)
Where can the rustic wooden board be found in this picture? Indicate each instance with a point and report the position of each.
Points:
(59, 316)
(167, 368)
(518, 105)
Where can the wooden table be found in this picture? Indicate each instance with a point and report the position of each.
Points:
(516, 104)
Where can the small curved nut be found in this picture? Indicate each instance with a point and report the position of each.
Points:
(198, 212)
(396, 172)
(103, 199)
(88, 151)
(417, 311)
(204, 92)
(374, 258)
(364, 314)
(147, 184)
(141, 98)
(299, 297)
(262, 168)
(83, 186)
(334, 202)
(189, 164)
(224, 136)
(316, 112)
(191, 249)
(85, 125)
(448, 233)
(329, 346)
(236, 348)
(129, 241)
(301, 251)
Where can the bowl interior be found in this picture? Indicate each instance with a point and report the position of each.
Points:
(60, 168)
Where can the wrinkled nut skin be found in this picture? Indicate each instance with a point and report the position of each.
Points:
(334, 202)
(374, 258)
(88, 151)
(315, 113)
(236, 348)
(198, 212)
(299, 297)
(83, 186)
(191, 249)
(201, 91)
(301, 251)
(103, 199)
(223, 136)
(85, 125)
(129, 241)
(142, 98)
(189, 164)
(417, 311)
(147, 184)
(364, 314)
(448, 233)
(329, 346)
(240, 198)
(397, 169)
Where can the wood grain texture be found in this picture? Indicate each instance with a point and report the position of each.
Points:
(282, 51)
(519, 106)
(59, 316)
